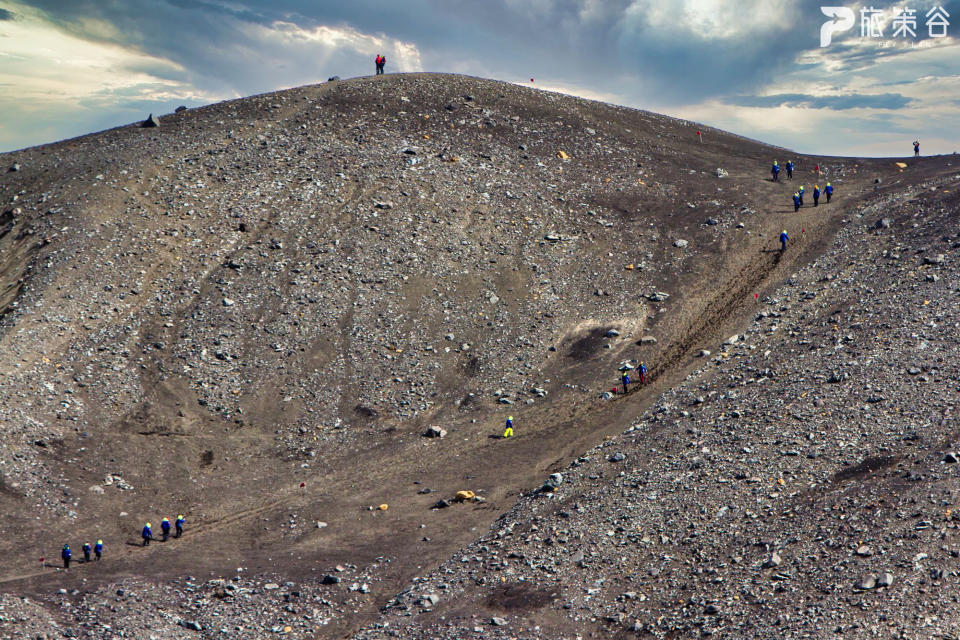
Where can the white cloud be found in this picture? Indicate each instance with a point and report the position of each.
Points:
(713, 19)
(48, 65)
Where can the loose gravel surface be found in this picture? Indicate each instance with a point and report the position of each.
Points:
(252, 314)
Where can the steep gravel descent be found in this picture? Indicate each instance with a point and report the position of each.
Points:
(252, 313)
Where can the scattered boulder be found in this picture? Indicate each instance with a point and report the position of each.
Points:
(866, 583)
(883, 223)
(722, 173)
(617, 457)
(434, 432)
(680, 244)
(180, 109)
(151, 121)
(773, 561)
(14, 167)
(333, 78)
(885, 579)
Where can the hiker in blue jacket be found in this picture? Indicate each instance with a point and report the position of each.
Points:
(775, 170)
(796, 202)
(829, 191)
(783, 240)
(790, 169)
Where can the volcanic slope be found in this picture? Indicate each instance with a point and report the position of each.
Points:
(251, 314)
(803, 482)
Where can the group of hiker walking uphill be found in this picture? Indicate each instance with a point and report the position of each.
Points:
(800, 192)
(146, 534)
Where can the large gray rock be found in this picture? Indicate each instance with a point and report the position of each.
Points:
(151, 121)
(866, 583)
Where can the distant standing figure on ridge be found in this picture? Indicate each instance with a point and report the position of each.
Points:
(381, 61)
(376, 61)
(508, 432)
(916, 148)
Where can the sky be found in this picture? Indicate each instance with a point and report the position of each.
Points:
(753, 67)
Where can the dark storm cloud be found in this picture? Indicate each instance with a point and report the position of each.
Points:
(840, 103)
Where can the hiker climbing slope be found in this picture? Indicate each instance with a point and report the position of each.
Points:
(508, 432)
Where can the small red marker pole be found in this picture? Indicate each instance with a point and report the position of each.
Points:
(531, 79)
(303, 484)
(756, 296)
(700, 137)
(803, 230)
